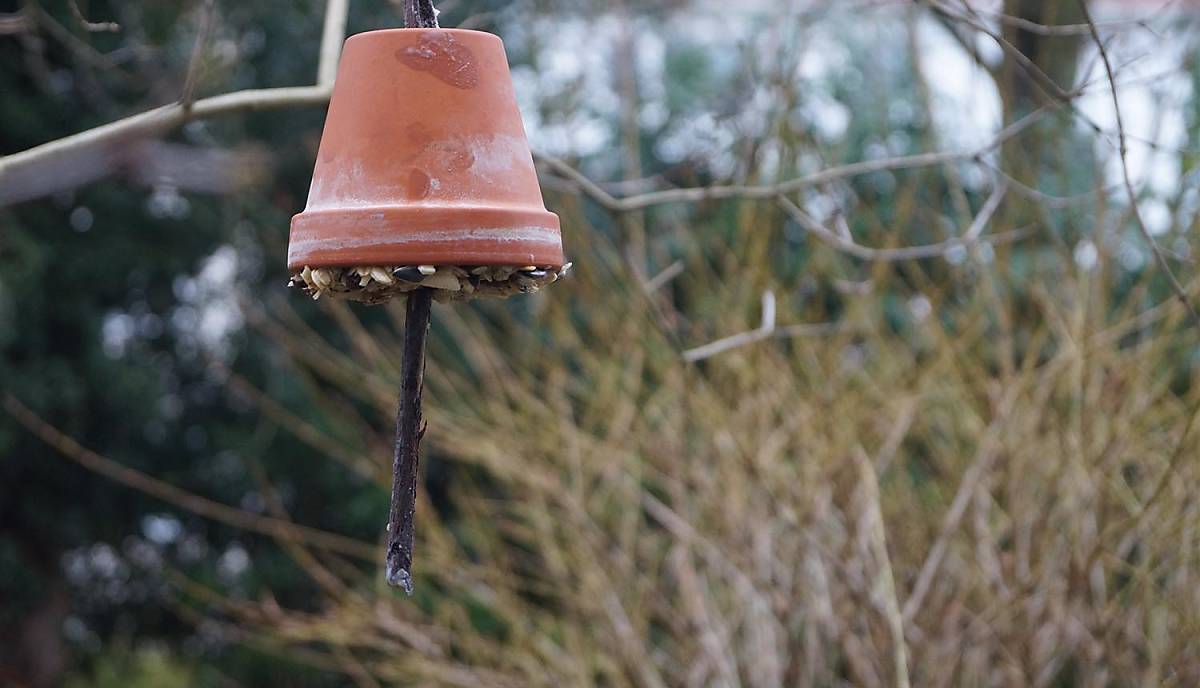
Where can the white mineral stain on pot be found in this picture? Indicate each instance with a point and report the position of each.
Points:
(342, 188)
(300, 247)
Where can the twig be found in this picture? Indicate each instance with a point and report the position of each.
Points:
(332, 35)
(885, 580)
(409, 429)
(1068, 29)
(193, 71)
(770, 191)
(408, 440)
(171, 494)
(971, 238)
(1123, 150)
(22, 174)
(91, 25)
(663, 278)
(985, 453)
(12, 23)
(765, 330)
(420, 14)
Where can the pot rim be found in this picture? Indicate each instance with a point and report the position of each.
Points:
(381, 33)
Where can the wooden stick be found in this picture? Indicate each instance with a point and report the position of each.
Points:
(409, 431)
(420, 14)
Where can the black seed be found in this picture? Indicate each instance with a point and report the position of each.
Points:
(408, 273)
(535, 274)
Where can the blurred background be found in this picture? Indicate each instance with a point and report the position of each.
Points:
(868, 372)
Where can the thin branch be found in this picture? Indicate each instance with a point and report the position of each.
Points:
(985, 453)
(885, 580)
(420, 14)
(721, 345)
(24, 174)
(770, 191)
(111, 27)
(1070, 29)
(965, 43)
(1123, 149)
(183, 499)
(333, 34)
(409, 431)
(766, 330)
(663, 278)
(972, 237)
(207, 14)
(12, 23)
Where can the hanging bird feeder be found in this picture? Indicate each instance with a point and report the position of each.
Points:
(424, 177)
(424, 187)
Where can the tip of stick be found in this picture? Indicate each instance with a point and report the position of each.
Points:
(400, 578)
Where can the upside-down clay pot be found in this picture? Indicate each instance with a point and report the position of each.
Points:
(424, 160)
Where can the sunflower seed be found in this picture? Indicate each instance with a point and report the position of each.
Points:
(409, 273)
(443, 280)
(380, 275)
(379, 283)
(322, 278)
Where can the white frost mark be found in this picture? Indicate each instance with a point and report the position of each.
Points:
(299, 247)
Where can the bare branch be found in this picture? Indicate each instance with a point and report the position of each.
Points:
(1069, 29)
(885, 580)
(207, 15)
(663, 278)
(333, 34)
(985, 453)
(25, 175)
(183, 499)
(91, 25)
(972, 237)
(770, 191)
(12, 23)
(55, 165)
(1123, 150)
(765, 331)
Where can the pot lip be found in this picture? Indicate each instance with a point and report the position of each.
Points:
(384, 33)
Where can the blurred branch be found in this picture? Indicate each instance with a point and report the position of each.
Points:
(24, 175)
(207, 14)
(765, 331)
(12, 23)
(303, 430)
(333, 33)
(663, 278)
(770, 191)
(973, 235)
(885, 580)
(1066, 29)
(985, 453)
(1123, 152)
(91, 25)
(964, 41)
(183, 499)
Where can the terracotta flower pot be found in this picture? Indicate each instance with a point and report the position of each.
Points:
(424, 161)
